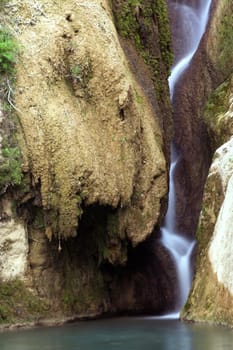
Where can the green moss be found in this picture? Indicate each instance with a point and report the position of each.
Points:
(215, 109)
(125, 18)
(160, 11)
(135, 20)
(10, 158)
(10, 167)
(82, 72)
(17, 303)
(225, 36)
(218, 101)
(138, 98)
(146, 24)
(8, 51)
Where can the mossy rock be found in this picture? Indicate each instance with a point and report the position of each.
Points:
(137, 20)
(225, 36)
(17, 303)
(219, 126)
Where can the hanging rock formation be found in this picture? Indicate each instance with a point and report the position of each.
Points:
(94, 144)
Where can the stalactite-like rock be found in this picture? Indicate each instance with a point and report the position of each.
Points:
(94, 125)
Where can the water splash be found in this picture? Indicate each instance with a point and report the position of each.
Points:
(181, 248)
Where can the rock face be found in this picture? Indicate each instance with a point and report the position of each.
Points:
(211, 298)
(207, 84)
(97, 140)
(13, 245)
(94, 149)
(210, 65)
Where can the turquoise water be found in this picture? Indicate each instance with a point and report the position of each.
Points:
(119, 334)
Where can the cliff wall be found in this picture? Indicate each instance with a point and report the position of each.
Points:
(212, 296)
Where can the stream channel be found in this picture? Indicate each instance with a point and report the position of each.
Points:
(142, 333)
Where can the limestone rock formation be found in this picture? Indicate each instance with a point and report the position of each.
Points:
(93, 141)
(211, 298)
(13, 245)
(97, 140)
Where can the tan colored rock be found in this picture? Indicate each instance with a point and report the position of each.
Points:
(13, 245)
(89, 137)
(211, 298)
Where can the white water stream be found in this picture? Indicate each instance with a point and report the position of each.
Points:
(180, 248)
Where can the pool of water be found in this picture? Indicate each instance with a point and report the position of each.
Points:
(119, 334)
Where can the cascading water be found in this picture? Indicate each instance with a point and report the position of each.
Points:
(193, 14)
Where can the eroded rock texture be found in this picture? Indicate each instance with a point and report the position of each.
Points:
(94, 138)
(212, 296)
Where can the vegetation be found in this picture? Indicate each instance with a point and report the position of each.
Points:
(8, 51)
(10, 167)
(18, 303)
(160, 10)
(10, 162)
(135, 20)
(215, 109)
(225, 37)
(146, 24)
(219, 100)
(81, 73)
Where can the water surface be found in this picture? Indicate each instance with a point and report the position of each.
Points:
(120, 334)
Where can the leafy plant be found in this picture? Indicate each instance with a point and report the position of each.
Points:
(82, 72)
(10, 167)
(8, 51)
(76, 72)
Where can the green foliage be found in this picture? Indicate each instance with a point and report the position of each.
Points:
(214, 115)
(8, 51)
(218, 101)
(146, 24)
(18, 303)
(160, 10)
(10, 167)
(134, 18)
(225, 37)
(75, 71)
(126, 20)
(82, 73)
(10, 159)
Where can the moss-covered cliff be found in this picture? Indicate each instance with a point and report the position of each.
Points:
(94, 138)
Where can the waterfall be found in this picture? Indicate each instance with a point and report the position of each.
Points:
(194, 17)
